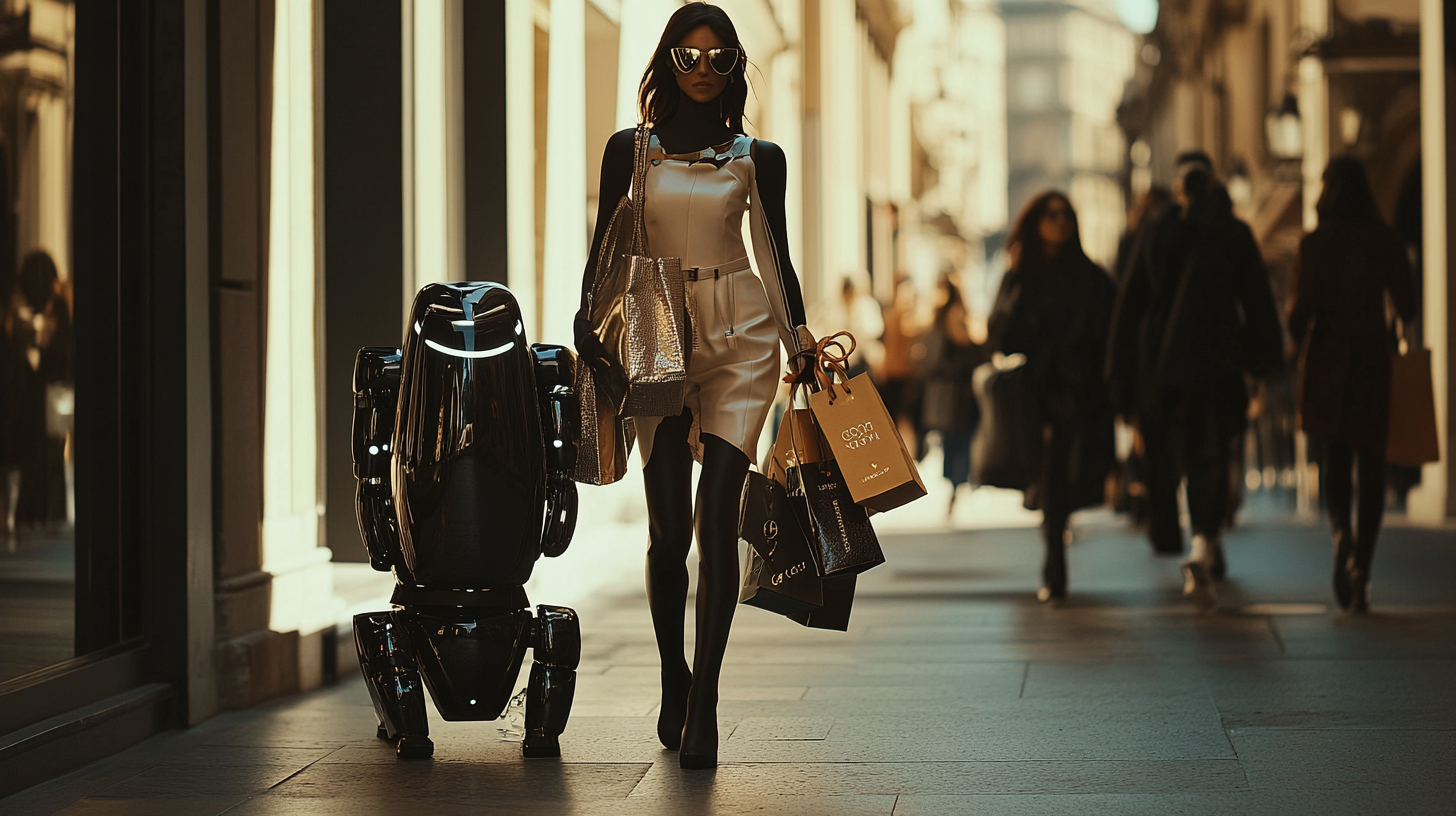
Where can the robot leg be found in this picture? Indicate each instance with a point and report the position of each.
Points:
(557, 646)
(394, 683)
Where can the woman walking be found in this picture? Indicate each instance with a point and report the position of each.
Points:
(1343, 272)
(947, 402)
(1054, 306)
(703, 175)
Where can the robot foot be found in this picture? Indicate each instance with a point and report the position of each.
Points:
(395, 686)
(552, 685)
(414, 746)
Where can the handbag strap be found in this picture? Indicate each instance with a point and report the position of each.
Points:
(641, 142)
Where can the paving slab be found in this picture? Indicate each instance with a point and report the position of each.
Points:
(953, 692)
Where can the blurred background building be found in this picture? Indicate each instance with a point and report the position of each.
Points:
(238, 194)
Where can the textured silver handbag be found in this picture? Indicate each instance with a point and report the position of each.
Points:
(638, 312)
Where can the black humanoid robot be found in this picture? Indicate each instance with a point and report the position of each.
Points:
(464, 443)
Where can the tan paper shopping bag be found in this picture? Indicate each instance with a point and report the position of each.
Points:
(878, 469)
(796, 428)
(1413, 439)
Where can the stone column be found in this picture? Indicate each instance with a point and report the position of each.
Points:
(1430, 502)
(566, 222)
(302, 597)
(520, 137)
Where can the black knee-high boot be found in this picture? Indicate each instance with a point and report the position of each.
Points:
(720, 489)
(1371, 469)
(668, 482)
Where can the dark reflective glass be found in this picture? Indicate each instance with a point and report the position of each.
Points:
(721, 60)
(37, 344)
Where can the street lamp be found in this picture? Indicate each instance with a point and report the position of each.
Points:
(1283, 130)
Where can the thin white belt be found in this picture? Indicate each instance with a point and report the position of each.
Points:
(697, 273)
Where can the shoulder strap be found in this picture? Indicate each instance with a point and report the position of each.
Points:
(639, 184)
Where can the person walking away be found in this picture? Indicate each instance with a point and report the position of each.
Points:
(1054, 305)
(703, 176)
(948, 403)
(1131, 490)
(898, 366)
(1194, 316)
(1342, 275)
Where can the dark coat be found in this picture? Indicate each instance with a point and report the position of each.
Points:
(1194, 309)
(1057, 315)
(947, 400)
(1341, 276)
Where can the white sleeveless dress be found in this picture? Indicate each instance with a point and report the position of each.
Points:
(695, 208)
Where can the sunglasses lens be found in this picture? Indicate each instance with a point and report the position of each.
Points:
(723, 60)
(685, 59)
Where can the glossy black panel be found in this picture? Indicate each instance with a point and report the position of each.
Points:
(469, 469)
(560, 411)
(376, 399)
(377, 526)
(469, 659)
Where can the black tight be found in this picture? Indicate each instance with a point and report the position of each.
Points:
(672, 517)
(1340, 460)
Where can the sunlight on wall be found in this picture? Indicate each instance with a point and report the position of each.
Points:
(566, 226)
(302, 598)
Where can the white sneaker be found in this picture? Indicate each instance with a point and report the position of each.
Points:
(1198, 585)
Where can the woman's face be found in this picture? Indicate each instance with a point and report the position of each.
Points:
(702, 83)
(1055, 227)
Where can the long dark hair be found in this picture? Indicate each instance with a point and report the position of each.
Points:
(1346, 196)
(1025, 243)
(657, 95)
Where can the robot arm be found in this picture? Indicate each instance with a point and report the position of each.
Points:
(560, 431)
(376, 395)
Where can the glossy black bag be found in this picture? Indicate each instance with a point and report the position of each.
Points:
(1007, 451)
(838, 600)
(781, 575)
(839, 530)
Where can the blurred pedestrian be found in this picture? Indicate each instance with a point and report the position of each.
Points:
(1342, 275)
(1054, 306)
(1145, 211)
(1130, 491)
(897, 368)
(859, 314)
(947, 402)
(37, 372)
(1194, 315)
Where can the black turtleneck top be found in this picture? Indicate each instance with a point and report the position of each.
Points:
(696, 126)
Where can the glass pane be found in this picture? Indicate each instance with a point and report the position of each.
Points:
(37, 384)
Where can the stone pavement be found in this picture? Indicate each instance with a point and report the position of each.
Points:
(954, 692)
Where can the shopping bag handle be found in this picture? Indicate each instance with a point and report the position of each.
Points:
(830, 356)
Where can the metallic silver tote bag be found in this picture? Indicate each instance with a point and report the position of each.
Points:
(638, 312)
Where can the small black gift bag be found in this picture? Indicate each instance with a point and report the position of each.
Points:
(839, 530)
(781, 575)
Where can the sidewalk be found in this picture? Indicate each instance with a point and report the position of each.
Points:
(954, 692)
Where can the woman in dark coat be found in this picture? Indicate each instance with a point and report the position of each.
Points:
(1343, 272)
(1054, 306)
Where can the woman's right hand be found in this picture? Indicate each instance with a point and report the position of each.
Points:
(588, 348)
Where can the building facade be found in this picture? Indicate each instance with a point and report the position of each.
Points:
(1067, 64)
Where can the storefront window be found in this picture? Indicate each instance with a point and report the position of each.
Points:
(37, 339)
